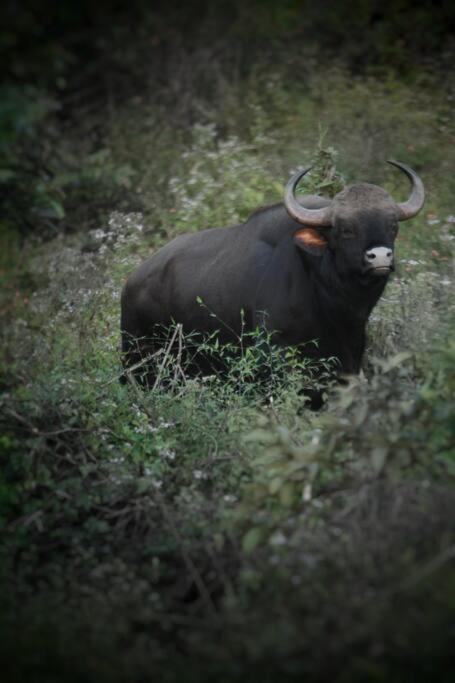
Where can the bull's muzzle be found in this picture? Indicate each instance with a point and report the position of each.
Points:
(379, 261)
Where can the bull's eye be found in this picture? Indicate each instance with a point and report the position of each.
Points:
(347, 231)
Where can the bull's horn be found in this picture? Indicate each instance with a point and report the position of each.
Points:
(315, 217)
(415, 202)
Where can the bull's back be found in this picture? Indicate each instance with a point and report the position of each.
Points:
(204, 278)
(169, 285)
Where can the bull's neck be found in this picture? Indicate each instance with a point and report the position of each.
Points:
(346, 296)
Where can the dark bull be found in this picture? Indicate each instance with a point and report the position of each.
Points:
(308, 269)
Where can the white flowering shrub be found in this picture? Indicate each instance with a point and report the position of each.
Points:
(146, 522)
(221, 182)
(418, 307)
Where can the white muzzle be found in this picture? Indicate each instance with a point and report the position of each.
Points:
(379, 260)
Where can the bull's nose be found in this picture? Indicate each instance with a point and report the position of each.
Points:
(379, 257)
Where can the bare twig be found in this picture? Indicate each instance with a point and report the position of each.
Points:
(427, 570)
(228, 585)
(36, 431)
(132, 368)
(190, 565)
(178, 366)
(166, 356)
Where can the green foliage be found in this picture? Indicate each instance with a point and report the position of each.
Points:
(383, 428)
(215, 186)
(219, 515)
(43, 175)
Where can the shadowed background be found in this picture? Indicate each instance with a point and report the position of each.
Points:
(204, 531)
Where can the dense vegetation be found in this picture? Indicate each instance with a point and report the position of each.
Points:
(217, 528)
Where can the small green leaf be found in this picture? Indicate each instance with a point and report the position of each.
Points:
(53, 209)
(6, 175)
(378, 458)
(395, 361)
(260, 435)
(287, 494)
(275, 485)
(252, 539)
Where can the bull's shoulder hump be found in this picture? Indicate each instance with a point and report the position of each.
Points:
(186, 241)
(269, 225)
(264, 209)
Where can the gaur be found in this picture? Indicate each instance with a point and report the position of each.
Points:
(305, 269)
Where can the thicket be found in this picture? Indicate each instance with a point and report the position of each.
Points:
(70, 66)
(218, 520)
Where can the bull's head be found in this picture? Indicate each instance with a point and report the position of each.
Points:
(359, 225)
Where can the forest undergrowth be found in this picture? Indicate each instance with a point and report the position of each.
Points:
(218, 520)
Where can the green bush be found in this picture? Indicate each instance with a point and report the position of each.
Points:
(219, 516)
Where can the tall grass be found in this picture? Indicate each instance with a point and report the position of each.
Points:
(219, 519)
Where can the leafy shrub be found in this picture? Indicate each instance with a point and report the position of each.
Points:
(218, 516)
(45, 180)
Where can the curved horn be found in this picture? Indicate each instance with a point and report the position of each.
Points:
(415, 202)
(315, 217)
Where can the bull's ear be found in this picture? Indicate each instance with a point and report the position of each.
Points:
(310, 240)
